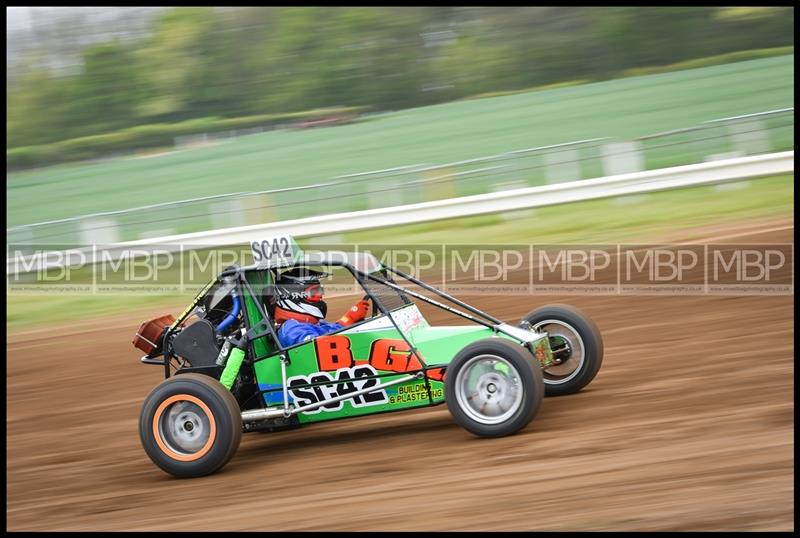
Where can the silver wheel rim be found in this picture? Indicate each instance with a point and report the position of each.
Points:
(562, 373)
(488, 389)
(184, 427)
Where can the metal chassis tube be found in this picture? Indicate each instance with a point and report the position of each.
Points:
(186, 313)
(496, 325)
(444, 295)
(435, 303)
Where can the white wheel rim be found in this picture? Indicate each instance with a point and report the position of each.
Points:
(568, 369)
(184, 428)
(488, 389)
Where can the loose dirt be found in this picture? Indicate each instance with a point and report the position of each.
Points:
(688, 426)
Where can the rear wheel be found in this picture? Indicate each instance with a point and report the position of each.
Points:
(190, 425)
(576, 344)
(493, 388)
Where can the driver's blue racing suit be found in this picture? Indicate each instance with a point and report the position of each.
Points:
(293, 332)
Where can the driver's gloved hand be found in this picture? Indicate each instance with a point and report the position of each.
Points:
(356, 313)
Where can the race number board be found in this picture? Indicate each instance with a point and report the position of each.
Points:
(273, 251)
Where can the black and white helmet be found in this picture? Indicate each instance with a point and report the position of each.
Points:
(298, 294)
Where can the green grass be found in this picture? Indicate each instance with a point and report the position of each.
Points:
(609, 220)
(622, 108)
(614, 220)
(720, 59)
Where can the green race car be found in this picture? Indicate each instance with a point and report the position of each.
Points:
(227, 373)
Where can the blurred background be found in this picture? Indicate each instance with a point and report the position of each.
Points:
(139, 123)
(120, 109)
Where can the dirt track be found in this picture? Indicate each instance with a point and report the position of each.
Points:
(688, 426)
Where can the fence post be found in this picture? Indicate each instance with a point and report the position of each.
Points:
(749, 137)
(622, 158)
(103, 231)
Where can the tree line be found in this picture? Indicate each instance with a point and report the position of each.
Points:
(211, 63)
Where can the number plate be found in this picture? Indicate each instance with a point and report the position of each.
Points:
(274, 250)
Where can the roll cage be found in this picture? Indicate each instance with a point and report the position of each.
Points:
(260, 331)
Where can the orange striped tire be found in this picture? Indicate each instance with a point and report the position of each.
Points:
(190, 425)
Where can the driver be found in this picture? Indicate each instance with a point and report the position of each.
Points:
(300, 310)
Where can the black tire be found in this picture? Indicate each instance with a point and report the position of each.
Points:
(208, 410)
(523, 398)
(569, 377)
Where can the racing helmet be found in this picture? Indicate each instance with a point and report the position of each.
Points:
(298, 296)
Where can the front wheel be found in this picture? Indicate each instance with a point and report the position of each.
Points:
(190, 425)
(493, 387)
(576, 344)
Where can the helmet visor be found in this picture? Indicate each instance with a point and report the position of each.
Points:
(314, 293)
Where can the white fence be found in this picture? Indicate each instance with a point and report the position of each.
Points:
(739, 136)
(507, 200)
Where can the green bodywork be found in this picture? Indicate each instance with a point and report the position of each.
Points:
(361, 356)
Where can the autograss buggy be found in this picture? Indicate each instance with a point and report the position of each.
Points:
(226, 372)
